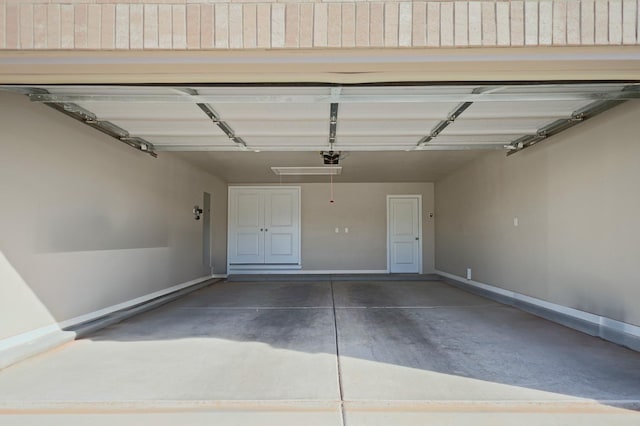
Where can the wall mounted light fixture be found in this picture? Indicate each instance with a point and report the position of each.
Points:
(197, 212)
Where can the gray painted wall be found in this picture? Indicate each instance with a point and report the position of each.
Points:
(577, 198)
(362, 207)
(87, 222)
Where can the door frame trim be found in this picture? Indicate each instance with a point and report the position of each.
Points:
(419, 197)
(207, 233)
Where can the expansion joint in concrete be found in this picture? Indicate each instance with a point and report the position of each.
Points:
(335, 325)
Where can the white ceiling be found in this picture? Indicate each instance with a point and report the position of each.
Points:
(382, 127)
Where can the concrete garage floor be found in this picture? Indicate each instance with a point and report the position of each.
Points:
(257, 353)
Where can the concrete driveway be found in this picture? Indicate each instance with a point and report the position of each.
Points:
(328, 353)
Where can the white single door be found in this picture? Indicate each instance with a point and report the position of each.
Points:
(246, 220)
(281, 227)
(404, 234)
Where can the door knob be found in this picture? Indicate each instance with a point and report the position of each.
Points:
(266, 229)
(417, 238)
(261, 230)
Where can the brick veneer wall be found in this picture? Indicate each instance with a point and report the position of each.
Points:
(201, 24)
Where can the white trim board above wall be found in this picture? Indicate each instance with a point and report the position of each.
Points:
(25, 345)
(609, 329)
(329, 65)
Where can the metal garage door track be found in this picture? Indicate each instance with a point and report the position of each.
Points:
(328, 352)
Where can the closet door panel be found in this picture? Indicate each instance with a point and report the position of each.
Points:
(246, 225)
(282, 226)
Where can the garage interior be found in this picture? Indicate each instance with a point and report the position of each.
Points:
(527, 213)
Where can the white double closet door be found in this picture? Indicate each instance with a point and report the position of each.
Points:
(264, 225)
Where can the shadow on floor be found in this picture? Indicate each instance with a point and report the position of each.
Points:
(427, 326)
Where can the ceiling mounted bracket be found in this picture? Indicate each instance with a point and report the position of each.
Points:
(579, 116)
(333, 115)
(333, 125)
(457, 112)
(88, 118)
(215, 118)
(444, 124)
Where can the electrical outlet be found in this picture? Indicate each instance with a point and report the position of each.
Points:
(337, 230)
(515, 221)
(346, 230)
(468, 273)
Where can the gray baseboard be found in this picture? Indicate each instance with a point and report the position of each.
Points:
(84, 329)
(58, 337)
(331, 277)
(618, 332)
